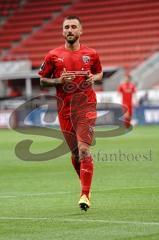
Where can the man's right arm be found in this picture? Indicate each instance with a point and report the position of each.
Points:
(65, 77)
(50, 81)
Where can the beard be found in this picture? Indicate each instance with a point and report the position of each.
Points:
(71, 39)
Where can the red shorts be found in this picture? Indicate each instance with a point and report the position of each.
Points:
(78, 128)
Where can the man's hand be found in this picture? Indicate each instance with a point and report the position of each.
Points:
(66, 77)
(90, 78)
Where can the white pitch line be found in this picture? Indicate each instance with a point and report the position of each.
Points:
(127, 188)
(7, 196)
(33, 194)
(80, 220)
(23, 218)
(62, 192)
(113, 222)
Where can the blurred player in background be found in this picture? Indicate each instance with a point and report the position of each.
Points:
(72, 69)
(127, 90)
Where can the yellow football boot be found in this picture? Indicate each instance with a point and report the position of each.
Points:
(84, 203)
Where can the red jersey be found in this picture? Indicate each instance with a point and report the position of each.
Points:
(127, 89)
(79, 62)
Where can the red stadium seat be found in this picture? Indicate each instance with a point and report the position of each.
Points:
(123, 32)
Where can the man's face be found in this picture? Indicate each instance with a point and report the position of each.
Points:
(127, 79)
(72, 30)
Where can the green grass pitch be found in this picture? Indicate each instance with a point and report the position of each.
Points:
(38, 200)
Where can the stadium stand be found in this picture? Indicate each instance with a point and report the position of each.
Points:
(8, 7)
(27, 18)
(124, 32)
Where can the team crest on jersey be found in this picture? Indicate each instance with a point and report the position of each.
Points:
(86, 59)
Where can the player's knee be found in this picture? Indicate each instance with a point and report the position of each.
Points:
(83, 153)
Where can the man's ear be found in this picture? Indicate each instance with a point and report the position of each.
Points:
(81, 30)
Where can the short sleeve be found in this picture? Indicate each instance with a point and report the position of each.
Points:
(96, 67)
(46, 69)
(134, 89)
(119, 89)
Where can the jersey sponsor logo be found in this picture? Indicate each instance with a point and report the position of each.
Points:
(86, 59)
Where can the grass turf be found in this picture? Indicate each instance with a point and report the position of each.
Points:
(38, 200)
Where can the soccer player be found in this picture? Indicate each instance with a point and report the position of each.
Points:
(72, 69)
(127, 90)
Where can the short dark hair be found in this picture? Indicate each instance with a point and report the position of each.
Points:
(73, 17)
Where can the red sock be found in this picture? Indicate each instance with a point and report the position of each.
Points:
(127, 122)
(86, 173)
(76, 165)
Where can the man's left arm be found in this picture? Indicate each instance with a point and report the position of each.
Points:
(94, 77)
(96, 73)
